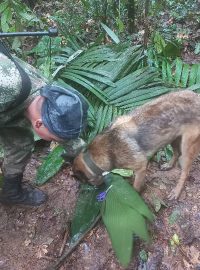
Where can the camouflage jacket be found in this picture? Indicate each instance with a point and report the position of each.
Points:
(16, 135)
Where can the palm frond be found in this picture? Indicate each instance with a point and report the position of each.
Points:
(113, 79)
(179, 73)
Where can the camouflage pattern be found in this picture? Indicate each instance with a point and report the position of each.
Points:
(10, 86)
(16, 134)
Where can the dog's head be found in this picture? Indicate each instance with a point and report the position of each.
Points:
(86, 173)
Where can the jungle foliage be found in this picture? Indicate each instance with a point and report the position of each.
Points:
(119, 54)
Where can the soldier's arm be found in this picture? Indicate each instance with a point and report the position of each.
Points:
(10, 82)
(17, 143)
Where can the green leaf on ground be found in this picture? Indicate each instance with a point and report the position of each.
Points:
(50, 166)
(175, 241)
(122, 172)
(124, 213)
(157, 203)
(87, 209)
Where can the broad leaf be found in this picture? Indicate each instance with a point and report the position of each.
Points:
(115, 219)
(87, 209)
(127, 195)
(111, 34)
(124, 214)
(50, 166)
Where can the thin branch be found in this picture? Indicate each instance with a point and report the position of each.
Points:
(62, 259)
(66, 235)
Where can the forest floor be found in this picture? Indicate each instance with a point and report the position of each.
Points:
(32, 238)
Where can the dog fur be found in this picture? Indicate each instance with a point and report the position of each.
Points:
(173, 119)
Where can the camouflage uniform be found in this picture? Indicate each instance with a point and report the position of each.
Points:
(16, 135)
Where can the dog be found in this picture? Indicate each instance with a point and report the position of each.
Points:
(173, 118)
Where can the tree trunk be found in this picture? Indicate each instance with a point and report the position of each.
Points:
(146, 26)
(131, 16)
(30, 3)
(104, 11)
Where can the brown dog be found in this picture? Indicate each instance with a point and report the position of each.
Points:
(170, 119)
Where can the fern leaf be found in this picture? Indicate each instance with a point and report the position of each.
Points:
(178, 71)
(193, 75)
(185, 75)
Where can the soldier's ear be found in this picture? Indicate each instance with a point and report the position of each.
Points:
(38, 123)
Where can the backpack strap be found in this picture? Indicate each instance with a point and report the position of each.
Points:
(26, 82)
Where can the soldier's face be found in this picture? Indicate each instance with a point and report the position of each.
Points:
(34, 115)
(43, 132)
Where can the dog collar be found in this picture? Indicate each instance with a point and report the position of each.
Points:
(91, 164)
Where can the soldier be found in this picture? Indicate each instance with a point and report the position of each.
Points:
(27, 103)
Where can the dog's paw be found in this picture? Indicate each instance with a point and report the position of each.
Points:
(174, 194)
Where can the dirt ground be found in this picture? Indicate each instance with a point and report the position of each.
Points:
(31, 238)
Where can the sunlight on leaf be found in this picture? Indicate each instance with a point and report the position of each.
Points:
(175, 241)
(111, 34)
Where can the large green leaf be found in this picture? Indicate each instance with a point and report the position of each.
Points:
(50, 166)
(127, 195)
(124, 213)
(87, 209)
(122, 216)
(115, 219)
